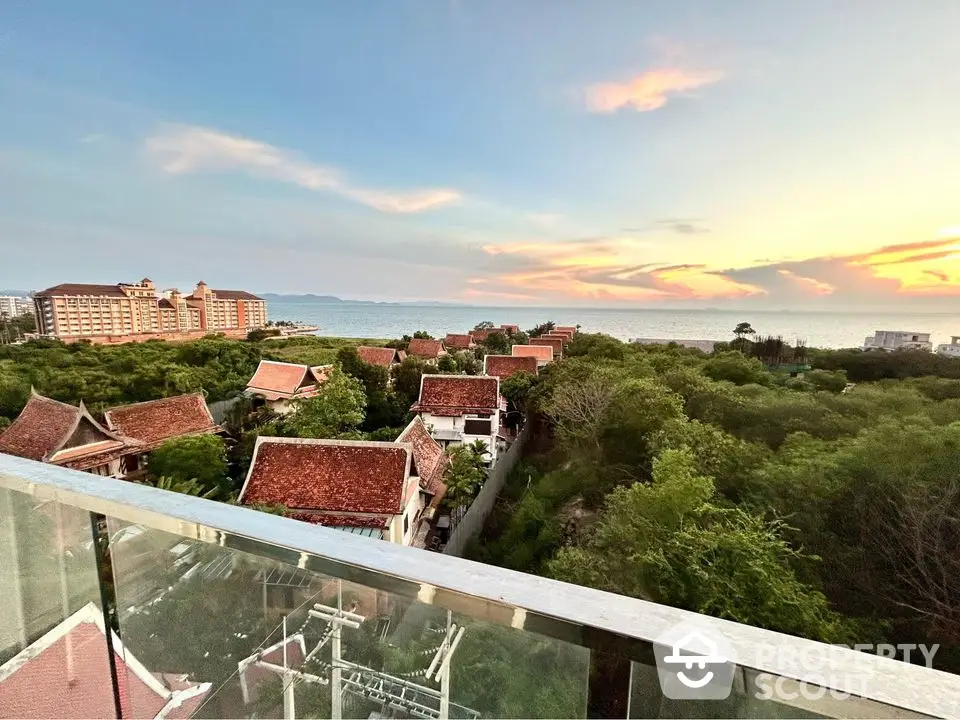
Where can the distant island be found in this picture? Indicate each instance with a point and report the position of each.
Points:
(311, 299)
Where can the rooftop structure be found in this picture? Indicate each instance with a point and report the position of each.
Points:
(129, 312)
(279, 384)
(898, 340)
(381, 356)
(504, 366)
(556, 343)
(429, 460)
(156, 421)
(510, 329)
(66, 674)
(566, 330)
(54, 432)
(951, 349)
(531, 625)
(480, 336)
(426, 349)
(543, 353)
(458, 342)
(339, 483)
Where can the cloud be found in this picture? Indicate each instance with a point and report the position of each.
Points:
(941, 276)
(194, 149)
(648, 91)
(680, 226)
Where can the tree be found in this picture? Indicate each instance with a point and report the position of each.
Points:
(336, 409)
(743, 329)
(406, 378)
(465, 473)
(542, 329)
(199, 458)
(496, 343)
(261, 334)
(736, 368)
(485, 325)
(577, 408)
(666, 542)
(187, 487)
(422, 335)
(516, 388)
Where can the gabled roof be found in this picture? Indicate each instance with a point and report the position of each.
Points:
(429, 460)
(460, 342)
(155, 421)
(51, 431)
(82, 289)
(429, 349)
(543, 353)
(234, 295)
(480, 335)
(556, 343)
(503, 366)
(566, 329)
(510, 328)
(66, 674)
(562, 336)
(458, 394)
(382, 356)
(275, 380)
(328, 476)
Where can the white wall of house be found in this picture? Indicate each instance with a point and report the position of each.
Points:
(403, 527)
(450, 431)
(281, 406)
(897, 339)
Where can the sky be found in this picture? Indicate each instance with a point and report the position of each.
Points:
(625, 154)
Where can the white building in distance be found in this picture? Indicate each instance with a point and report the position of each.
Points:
(951, 348)
(898, 340)
(13, 306)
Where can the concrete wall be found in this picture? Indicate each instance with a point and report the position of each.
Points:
(482, 505)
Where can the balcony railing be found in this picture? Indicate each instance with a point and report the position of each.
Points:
(222, 611)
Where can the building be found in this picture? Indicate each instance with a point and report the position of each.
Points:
(154, 422)
(13, 306)
(454, 341)
(429, 461)
(60, 434)
(952, 349)
(510, 329)
(459, 409)
(72, 663)
(362, 487)
(543, 353)
(426, 349)
(480, 336)
(898, 340)
(568, 330)
(504, 366)
(279, 384)
(380, 356)
(131, 312)
(556, 343)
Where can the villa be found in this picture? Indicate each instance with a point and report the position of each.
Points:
(460, 409)
(556, 343)
(381, 356)
(951, 349)
(898, 340)
(426, 348)
(279, 384)
(504, 366)
(543, 353)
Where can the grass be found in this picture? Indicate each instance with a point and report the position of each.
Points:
(313, 350)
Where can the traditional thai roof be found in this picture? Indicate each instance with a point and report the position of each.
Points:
(155, 421)
(543, 353)
(382, 356)
(51, 431)
(328, 476)
(480, 335)
(566, 329)
(280, 380)
(458, 342)
(503, 366)
(452, 395)
(424, 348)
(429, 460)
(555, 343)
(66, 674)
(510, 329)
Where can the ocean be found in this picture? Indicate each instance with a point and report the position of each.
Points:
(819, 329)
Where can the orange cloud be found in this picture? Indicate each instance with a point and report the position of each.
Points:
(812, 284)
(648, 91)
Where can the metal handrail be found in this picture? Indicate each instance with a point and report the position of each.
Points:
(591, 618)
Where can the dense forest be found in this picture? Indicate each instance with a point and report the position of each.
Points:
(811, 505)
(825, 504)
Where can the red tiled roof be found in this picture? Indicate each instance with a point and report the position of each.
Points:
(165, 304)
(82, 289)
(543, 353)
(327, 520)
(565, 337)
(568, 329)
(66, 674)
(382, 356)
(155, 421)
(235, 295)
(327, 475)
(555, 343)
(429, 349)
(458, 394)
(275, 380)
(503, 366)
(510, 328)
(428, 457)
(480, 335)
(44, 426)
(460, 342)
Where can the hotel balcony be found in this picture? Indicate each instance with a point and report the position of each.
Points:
(121, 600)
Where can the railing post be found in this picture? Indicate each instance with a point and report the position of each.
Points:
(108, 598)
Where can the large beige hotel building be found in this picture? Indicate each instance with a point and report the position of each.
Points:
(135, 311)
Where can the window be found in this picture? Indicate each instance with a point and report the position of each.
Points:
(476, 427)
(406, 525)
